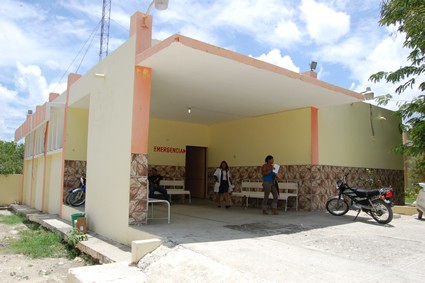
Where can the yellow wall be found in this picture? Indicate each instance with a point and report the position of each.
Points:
(10, 189)
(247, 142)
(165, 133)
(109, 143)
(38, 183)
(53, 183)
(345, 137)
(27, 182)
(76, 134)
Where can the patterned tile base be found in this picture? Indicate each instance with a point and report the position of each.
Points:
(138, 211)
(317, 182)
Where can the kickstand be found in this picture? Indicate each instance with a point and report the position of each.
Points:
(358, 212)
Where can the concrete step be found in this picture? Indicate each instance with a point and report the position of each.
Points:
(405, 209)
(99, 248)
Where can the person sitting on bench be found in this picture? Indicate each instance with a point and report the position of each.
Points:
(154, 179)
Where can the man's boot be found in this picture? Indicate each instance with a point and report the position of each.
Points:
(265, 212)
(274, 211)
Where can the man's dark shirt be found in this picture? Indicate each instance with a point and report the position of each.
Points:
(154, 179)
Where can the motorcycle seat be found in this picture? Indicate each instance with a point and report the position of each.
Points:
(365, 193)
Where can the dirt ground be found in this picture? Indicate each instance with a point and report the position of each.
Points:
(19, 268)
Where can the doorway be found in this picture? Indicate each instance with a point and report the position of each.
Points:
(196, 171)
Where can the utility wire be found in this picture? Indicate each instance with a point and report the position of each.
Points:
(88, 46)
(79, 52)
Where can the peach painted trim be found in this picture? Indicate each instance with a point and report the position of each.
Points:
(31, 122)
(314, 136)
(72, 78)
(141, 109)
(211, 49)
(52, 96)
(141, 27)
(46, 139)
(35, 119)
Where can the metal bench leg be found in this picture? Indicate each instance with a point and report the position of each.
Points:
(169, 216)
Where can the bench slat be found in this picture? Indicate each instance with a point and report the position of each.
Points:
(174, 187)
(286, 190)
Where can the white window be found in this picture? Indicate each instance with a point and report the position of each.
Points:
(29, 145)
(56, 128)
(40, 133)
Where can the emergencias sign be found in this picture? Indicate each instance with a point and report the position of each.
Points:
(168, 149)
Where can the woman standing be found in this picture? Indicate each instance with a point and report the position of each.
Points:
(269, 185)
(223, 186)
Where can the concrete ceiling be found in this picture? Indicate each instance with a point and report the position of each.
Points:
(219, 88)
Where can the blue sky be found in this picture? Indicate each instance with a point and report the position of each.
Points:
(42, 41)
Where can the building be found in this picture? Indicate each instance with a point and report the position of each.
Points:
(131, 111)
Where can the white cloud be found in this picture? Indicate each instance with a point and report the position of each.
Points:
(274, 57)
(389, 55)
(343, 36)
(31, 89)
(30, 81)
(286, 34)
(324, 24)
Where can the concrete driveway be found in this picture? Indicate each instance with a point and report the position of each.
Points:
(204, 243)
(209, 244)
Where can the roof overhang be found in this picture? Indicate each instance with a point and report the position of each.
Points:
(220, 85)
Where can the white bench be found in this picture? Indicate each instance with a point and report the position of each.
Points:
(174, 187)
(152, 201)
(254, 189)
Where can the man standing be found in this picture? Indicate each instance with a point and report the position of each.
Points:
(154, 186)
(269, 185)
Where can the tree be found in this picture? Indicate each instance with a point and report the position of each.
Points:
(11, 157)
(409, 18)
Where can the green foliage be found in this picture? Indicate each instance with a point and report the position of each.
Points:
(409, 18)
(74, 236)
(411, 193)
(11, 157)
(11, 219)
(414, 115)
(39, 243)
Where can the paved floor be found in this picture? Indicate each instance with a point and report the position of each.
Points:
(245, 245)
(204, 243)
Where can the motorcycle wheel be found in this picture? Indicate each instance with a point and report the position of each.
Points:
(75, 197)
(383, 213)
(81, 200)
(68, 196)
(337, 206)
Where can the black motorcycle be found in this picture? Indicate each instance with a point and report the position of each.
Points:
(77, 196)
(376, 202)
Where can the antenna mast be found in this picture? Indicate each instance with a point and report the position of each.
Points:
(104, 29)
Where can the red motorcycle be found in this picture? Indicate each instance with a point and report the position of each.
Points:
(376, 202)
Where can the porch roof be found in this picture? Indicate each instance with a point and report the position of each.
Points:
(221, 85)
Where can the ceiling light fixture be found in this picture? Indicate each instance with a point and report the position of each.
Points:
(97, 75)
(368, 93)
(189, 110)
(159, 5)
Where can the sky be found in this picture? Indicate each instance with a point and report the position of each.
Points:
(42, 41)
